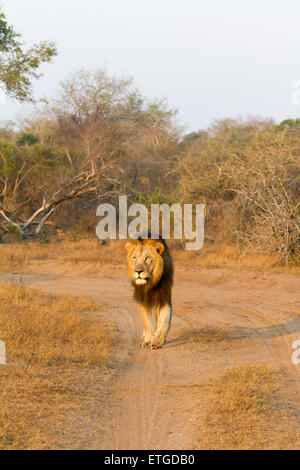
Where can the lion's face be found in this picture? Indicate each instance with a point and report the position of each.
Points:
(145, 263)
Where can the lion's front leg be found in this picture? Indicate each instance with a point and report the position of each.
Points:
(163, 318)
(147, 332)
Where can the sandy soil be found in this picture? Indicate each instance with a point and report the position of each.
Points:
(155, 398)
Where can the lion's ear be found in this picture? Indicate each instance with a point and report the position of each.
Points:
(129, 246)
(159, 247)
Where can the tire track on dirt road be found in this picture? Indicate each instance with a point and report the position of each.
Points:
(154, 398)
(139, 408)
(136, 408)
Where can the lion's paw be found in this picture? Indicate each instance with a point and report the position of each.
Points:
(145, 343)
(157, 343)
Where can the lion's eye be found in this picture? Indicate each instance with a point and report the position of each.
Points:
(147, 257)
(134, 258)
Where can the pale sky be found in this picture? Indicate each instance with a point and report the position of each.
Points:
(211, 59)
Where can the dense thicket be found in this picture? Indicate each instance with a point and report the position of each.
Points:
(101, 138)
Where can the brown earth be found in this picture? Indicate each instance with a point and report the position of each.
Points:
(222, 319)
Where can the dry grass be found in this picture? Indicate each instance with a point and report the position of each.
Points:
(247, 412)
(89, 255)
(21, 256)
(57, 350)
(222, 255)
(205, 336)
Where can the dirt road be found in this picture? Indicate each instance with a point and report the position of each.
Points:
(156, 398)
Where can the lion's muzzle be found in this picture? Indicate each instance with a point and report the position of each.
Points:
(141, 276)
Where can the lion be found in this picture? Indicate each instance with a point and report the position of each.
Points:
(150, 269)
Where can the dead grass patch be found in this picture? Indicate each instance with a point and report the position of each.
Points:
(204, 336)
(224, 255)
(247, 411)
(89, 254)
(21, 256)
(57, 349)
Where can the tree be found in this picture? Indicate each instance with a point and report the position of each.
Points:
(289, 124)
(98, 139)
(36, 179)
(103, 117)
(248, 175)
(17, 66)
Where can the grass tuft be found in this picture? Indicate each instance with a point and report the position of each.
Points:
(89, 256)
(247, 412)
(57, 349)
(204, 336)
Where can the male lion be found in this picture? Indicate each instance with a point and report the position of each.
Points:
(151, 272)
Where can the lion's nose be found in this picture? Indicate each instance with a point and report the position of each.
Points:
(139, 270)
